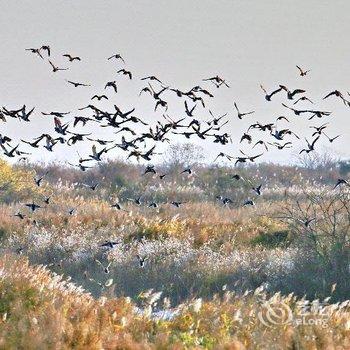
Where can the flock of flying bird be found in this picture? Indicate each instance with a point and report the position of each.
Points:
(188, 126)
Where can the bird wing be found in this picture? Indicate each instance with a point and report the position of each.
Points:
(257, 156)
(275, 92)
(314, 141)
(263, 89)
(334, 138)
(330, 94)
(298, 91)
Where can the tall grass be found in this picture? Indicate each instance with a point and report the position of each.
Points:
(39, 310)
(200, 259)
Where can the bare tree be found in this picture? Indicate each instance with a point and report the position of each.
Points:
(320, 225)
(318, 160)
(181, 155)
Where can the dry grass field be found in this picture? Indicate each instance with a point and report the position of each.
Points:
(202, 275)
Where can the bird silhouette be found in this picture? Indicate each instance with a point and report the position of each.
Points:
(72, 58)
(116, 56)
(55, 68)
(303, 98)
(257, 189)
(36, 51)
(152, 78)
(141, 260)
(99, 97)
(149, 169)
(105, 268)
(112, 84)
(239, 114)
(32, 206)
(38, 179)
(291, 94)
(341, 182)
(47, 49)
(117, 206)
(76, 84)
(20, 215)
(188, 111)
(311, 146)
(331, 139)
(269, 96)
(125, 72)
(302, 71)
(109, 244)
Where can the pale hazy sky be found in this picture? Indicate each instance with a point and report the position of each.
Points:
(181, 42)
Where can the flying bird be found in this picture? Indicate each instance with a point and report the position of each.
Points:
(341, 182)
(187, 170)
(75, 84)
(217, 81)
(141, 260)
(33, 207)
(331, 139)
(125, 72)
(112, 84)
(223, 155)
(109, 244)
(257, 190)
(47, 49)
(152, 78)
(20, 215)
(311, 146)
(150, 169)
(262, 143)
(269, 96)
(36, 51)
(117, 206)
(38, 179)
(291, 94)
(337, 93)
(117, 56)
(239, 114)
(303, 98)
(99, 97)
(72, 58)
(302, 71)
(188, 111)
(56, 69)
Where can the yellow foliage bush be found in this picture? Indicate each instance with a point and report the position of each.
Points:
(16, 183)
